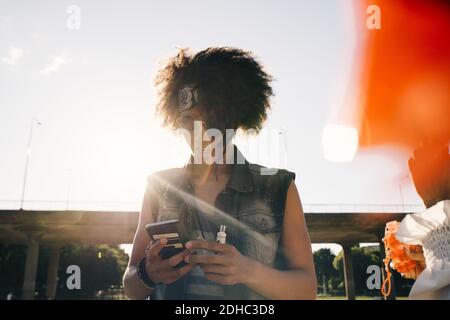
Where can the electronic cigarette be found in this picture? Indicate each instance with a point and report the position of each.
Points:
(221, 235)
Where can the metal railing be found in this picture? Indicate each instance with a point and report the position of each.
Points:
(135, 206)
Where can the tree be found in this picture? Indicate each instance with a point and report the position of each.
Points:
(101, 266)
(361, 258)
(323, 262)
(12, 259)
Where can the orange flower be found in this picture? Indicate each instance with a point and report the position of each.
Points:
(398, 257)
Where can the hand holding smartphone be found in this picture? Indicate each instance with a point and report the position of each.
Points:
(175, 233)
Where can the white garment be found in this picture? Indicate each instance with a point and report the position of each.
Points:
(431, 230)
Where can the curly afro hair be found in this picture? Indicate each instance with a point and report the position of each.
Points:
(233, 89)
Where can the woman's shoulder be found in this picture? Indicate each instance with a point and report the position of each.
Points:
(164, 177)
(172, 172)
(259, 170)
(271, 176)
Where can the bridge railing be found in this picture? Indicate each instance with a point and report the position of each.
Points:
(104, 205)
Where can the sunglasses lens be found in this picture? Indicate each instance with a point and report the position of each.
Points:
(184, 107)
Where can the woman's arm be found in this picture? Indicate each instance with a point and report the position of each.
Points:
(158, 270)
(230, 266)
(133, 286)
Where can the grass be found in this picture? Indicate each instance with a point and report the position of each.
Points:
(329, 297)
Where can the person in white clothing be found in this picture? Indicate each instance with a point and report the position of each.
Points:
(430, 229)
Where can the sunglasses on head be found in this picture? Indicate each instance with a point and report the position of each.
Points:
(187, 98)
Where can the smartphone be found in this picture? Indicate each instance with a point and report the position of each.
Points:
(175, 233)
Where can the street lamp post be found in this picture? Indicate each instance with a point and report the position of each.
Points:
(30, 138)
(69, 173)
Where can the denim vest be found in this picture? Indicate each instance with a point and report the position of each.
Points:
(251, 205)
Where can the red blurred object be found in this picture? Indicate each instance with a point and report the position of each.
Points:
(397, 258)
(404, 74)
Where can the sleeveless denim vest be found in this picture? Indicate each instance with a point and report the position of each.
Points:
(251, 205)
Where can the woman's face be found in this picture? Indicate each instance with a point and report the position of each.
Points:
(193, 121)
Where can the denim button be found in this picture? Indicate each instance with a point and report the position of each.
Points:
(263, 223)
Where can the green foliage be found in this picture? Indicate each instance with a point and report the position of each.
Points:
(325, 272)
(102, 268)
(330, 270)
(12, 259)
(361, 258)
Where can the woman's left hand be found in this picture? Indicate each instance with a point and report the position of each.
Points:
(228, 266)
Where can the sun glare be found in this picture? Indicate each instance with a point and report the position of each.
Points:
(339, 143)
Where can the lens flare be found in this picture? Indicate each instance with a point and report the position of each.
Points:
(339, 143)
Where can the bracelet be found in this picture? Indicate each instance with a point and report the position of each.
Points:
(143, 275)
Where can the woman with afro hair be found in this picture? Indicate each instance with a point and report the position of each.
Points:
(267, 251)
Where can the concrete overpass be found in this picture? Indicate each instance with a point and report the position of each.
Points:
(59, 228)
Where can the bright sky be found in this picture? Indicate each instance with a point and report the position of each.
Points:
(92, 90)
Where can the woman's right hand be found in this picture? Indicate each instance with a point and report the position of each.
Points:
(163, 270)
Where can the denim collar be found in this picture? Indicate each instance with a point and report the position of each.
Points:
(240, 179)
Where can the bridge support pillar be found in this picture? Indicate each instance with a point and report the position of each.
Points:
(348, 272)
(52, 272)
(29, 281)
